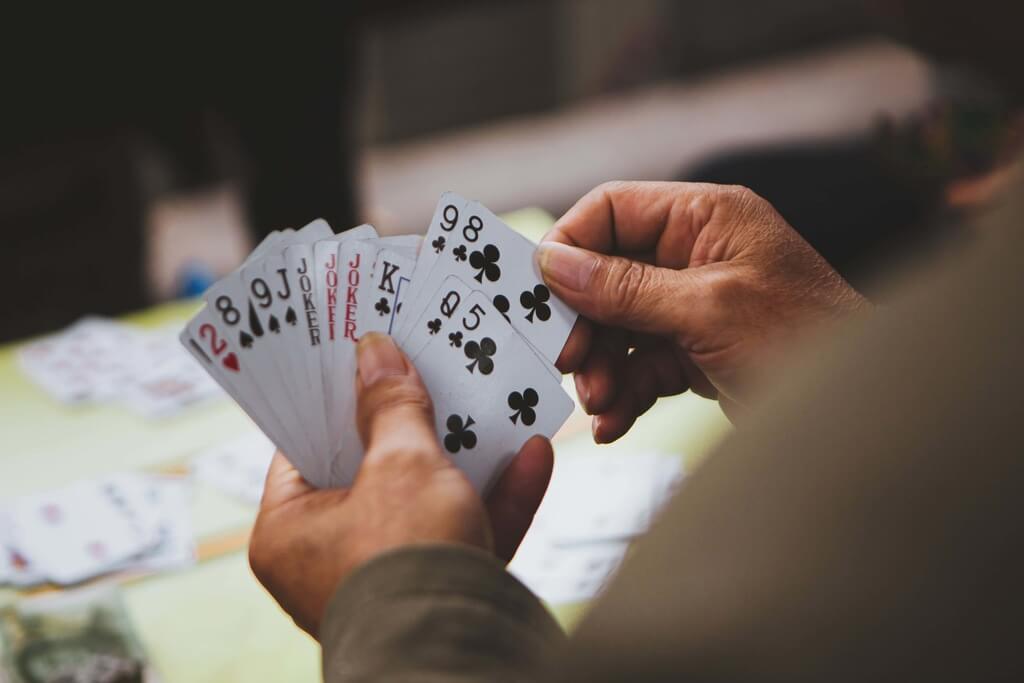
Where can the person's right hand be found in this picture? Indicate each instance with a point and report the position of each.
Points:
(704, 282)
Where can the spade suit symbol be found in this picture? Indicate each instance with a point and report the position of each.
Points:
(289, 316)
(254, 321)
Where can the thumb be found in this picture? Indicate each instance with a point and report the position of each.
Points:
(394, 413)
(620, 292)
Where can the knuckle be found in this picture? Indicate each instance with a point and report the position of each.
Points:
(396, 394)
(628, 284)
(402, 466)
(612, 187)
(727, 293)
(746, 200)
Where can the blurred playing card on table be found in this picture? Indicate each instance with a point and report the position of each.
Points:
(76, 532)
(86, 362)
(161, 505)
(82, 636)
(565, 574)
(595, 505)
(608, 496)
(236, 468)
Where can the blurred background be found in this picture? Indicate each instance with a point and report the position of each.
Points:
(143, 157)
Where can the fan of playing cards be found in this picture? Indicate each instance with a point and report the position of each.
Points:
(466, 303)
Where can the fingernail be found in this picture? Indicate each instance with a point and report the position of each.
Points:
(571, 267)
(595, 429)
(378, 357)
(583, 390)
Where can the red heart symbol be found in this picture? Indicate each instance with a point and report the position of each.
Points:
(231, 362)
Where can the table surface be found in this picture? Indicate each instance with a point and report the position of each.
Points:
(213, 621)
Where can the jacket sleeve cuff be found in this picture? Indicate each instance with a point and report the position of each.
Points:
(435, 610)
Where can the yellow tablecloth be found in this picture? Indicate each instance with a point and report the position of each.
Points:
(213, 622)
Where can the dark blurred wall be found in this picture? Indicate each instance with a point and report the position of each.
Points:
(475, 62)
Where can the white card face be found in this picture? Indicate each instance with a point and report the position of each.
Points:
(608, 497)
(272, 285)
(565, 574)
(251, 324)
(386, 290)
(438, 314)
(449, 207)
(356, 258)
(74, 533)
(491, 392)
(91, 360)
(170, 381)
(208, 337)
(14, 567)
(467, 240)
(160, 505)
(237, 468)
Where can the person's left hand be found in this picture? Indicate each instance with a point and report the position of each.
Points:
(307, 541)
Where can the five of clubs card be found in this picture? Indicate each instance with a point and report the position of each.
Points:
(466, 303)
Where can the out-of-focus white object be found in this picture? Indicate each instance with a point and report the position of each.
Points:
(237, 468)
(114, 523)
(97, 360)
(594, 506)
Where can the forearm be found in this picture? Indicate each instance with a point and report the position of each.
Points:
(438, 613)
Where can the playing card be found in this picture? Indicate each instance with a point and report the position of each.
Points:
(278, 298)
(74, 533)
(565, 574)
(168, 380)
(206, 337)
(279, 336)
(490, 390)
(604, 497)
(160, 505)
(236, 468)
(467, 240)
(450, 207)
(14, 567)
(387, 287)
(241, 308)
(89, 361)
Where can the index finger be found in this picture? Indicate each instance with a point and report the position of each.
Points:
(283, 483)
(635, 217)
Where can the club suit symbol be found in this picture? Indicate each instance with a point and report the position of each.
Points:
(434, 326)
(501, 303)
(382, 307)
(486, 263)
(523, 404)
(536, 303)
(459, 252)
(480, 353)
(455, 339)
(459, 434)
(438, 244)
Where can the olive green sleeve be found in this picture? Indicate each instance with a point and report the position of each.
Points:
(436, 613)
